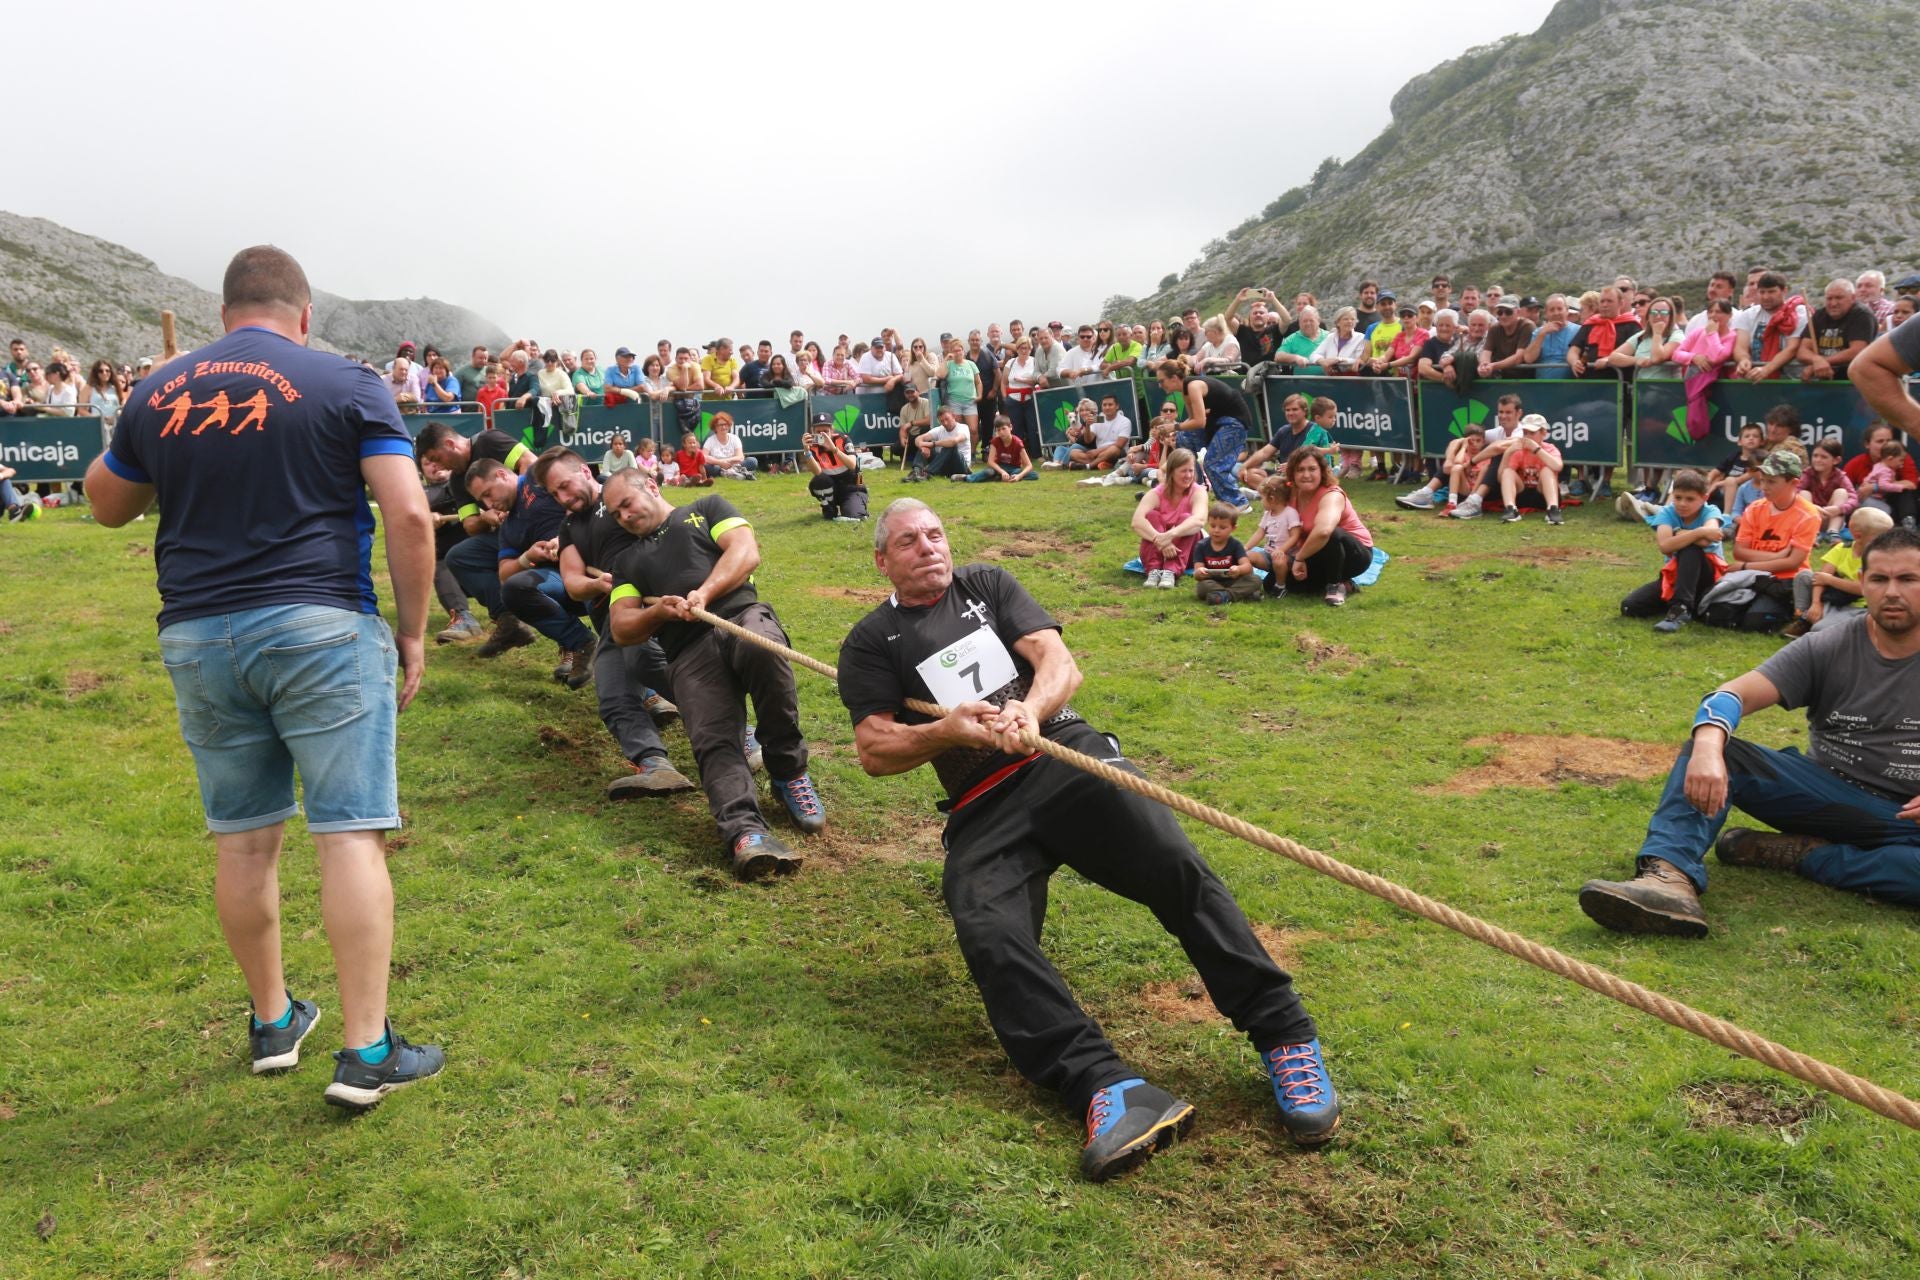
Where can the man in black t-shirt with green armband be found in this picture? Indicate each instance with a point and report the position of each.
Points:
(702, 556)
(972, 640)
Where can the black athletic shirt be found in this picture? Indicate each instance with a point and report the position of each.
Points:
(881, 657)
(253, 444)
(1256, 345)
(499, 446)
(600, 540)
(1223, 401)
(675, 559)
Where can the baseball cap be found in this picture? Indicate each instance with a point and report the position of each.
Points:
(1426, 304)
(623, 351)
(145, 362)
(1782, 462)
(1529, 301)
(823, 419)
(1387, 295)
(1507, 304)
(1534, 422)
(1408, 309)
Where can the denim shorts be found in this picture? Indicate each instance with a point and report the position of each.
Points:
(262, 692)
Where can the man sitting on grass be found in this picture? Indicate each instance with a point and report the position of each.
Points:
(973, 640)
(1846, 811)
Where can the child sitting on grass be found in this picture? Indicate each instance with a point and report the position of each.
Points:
(693, 462)
(1142, 463)
(1688, 530)
(1724, 480)
(1822, 597)
(1278, 536)
(1459, 474)
(646, 456)
(1221, 570)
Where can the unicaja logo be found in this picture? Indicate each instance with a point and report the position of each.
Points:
(1063, 417)
(846, 418)
(1472, 413)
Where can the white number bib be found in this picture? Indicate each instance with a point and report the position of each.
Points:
(968, 669)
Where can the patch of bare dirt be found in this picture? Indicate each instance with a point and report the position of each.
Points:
(1725, 1103)
(1028, 544)
(1185, 999)
(6, 628)
(1435, 567)
(859, 595)
(914, 840)
(83, 682)
(139, 549)
(1547, 760)
(1324, 655)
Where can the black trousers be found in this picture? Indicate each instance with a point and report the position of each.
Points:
(1001, 851)
(622, 674)
(1026, 426)
(1692, 578)
(1342, 558)
(711, 679)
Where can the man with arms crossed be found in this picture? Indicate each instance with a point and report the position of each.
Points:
(1848, 810)
(973, 640)
(278, 654)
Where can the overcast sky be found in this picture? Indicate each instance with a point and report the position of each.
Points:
(592, 174)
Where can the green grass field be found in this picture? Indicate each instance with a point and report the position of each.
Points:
(654, 1070)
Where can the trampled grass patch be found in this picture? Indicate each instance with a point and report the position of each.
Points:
(654, 1070)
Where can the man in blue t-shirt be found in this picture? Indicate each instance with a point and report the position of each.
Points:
(260, 453)
(528, 564)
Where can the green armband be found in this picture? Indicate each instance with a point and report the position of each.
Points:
(625, 591)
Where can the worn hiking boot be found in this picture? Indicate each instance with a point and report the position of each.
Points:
(662, 711)
(575, 668)
(1775, 850)
(651, 777)
(759, 854)
(1660, 899)
(508, 633)
(1309, 1108)
(803, 804)
(462, 627)
(1797, 628)
(1126, 1123)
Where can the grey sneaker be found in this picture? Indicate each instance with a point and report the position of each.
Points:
(359, 1085)
(462, 628)
(1418, 500)
(1467, 510)
(756, 758)
(1677, 617)
(662, 711)
(1660, 900)
(651, 777)
(278, 1048)
(1510, 516)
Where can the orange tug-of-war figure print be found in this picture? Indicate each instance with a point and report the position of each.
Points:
(221, 408)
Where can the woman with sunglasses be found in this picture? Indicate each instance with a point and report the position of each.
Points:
(1643, 354)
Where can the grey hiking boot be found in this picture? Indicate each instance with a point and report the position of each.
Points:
(1660, 899)
(462, 627)
(1775, 850)
(651, 777)
(759, 854)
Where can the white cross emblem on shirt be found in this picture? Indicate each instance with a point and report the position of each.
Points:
(976, 611)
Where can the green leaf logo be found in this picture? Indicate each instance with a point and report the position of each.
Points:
(1062, 418)
(847, 418)
(1469, 414)
(705, 428)
(1677, 426)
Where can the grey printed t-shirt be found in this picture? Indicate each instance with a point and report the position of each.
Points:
(1863, 710)
(1906, 343)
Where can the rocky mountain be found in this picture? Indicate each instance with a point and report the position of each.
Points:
(95, 298)
(1661, 138)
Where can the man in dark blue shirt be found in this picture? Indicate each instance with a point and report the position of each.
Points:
(528, 564)
(260, 453)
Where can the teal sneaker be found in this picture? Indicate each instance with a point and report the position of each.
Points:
(278, 1048)
(359, 1085)
(1126, 1123)
(1309, 1108)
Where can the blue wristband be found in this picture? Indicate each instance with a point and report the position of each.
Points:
(1721, 708)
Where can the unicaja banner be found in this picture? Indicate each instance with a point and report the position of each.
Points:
(49, 448)
(1583, 416)
(1056, 405)
(1374, 413)
(863, 417)
(761, 424)
(1664, 436)
(593, 435)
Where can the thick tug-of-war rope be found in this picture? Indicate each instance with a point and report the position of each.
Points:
(1727, 1035)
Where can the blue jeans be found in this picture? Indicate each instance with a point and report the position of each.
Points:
(986, 475)
(539, 598)
(1872, 851)
(1223, 456)
(476, 567)
(263, 691)
(8, 498)
(946, 461)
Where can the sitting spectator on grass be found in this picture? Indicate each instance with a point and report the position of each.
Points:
(1826, 485)
(1142, 463)
(946, 449)
(1886, 480)
(617, 457)
(1899, 505)
(834, 472)
(1304, 425)
(1106, 444)
(646, 460)
(1844, 809)
(1530, 472)
(692, 461)
(726, 456)
(1725, 479)
(1278, 536)
(1825, 597)
(1774, 537)
(1479, 477)
(1688, 532)
(1169, 519)
(1337, 546)
(1221, 571)
(1006, 456)
(1460, 471)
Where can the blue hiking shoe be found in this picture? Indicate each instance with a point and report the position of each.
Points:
(803, 803)
(756, 758)
(358, 1085)
(1126, 1123)
(1309, 1108)
(759, 854)
(278, 1048)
